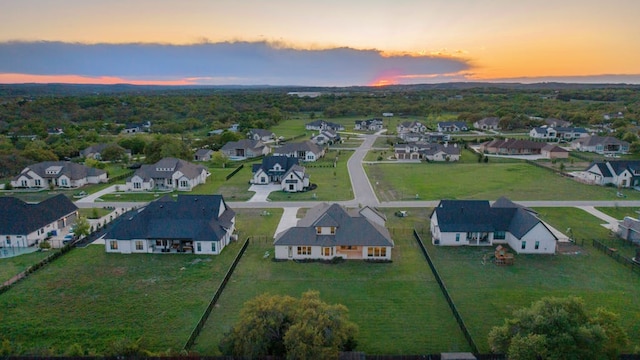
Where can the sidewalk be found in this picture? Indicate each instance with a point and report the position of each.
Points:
(288, 220)
(92, 197)
(611, 222)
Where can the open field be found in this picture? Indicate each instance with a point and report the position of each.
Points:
(486, 294)
(467, 180)
(10, 267)
(397, 306)
(333, 183)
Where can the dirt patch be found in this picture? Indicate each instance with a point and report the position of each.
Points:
(119, 271)
(569, 248)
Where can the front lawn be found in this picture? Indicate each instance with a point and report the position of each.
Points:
(620, 212)
(397, 306)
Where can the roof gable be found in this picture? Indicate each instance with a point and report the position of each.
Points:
(19, 217)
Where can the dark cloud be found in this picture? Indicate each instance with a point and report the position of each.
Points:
(220, 63)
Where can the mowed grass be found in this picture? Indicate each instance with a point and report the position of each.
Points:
(486, 294)
(334, 183)
(97, 299)
(620, 212)
(515, 180)
(398, 306)
(10, 267)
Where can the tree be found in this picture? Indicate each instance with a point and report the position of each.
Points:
(559, 328)
(81, 228)
(219, 157)
(305, 328)
(113, 152)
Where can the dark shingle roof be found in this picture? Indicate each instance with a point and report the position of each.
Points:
(351, 229)
(301, 146)
(72, 170)
(19, 217)
(191, 217)
(188, 169)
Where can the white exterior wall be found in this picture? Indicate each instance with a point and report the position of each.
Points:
(124, 246)
(538, 233)
(205, 247)
(449, 239)
(365, 253)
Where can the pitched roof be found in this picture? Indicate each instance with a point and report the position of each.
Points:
(513, 144)
(301, 146)
(600, 140)
(493, 121)
(254, 145)
(191, 217)
(151, 171)
(261, 132)
(351, 229)
(72, 170)
(459, 124)
(553, 148)
(268, 162)
(203, 152)
(19, 217)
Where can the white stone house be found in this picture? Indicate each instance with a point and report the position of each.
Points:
(283, 170)
(601, 145)
(167, 174)
(59, 174)
(619, 173)
(304, 151)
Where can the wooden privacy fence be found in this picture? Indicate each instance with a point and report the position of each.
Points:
(456, 314)
(613, 253)
(214, 300)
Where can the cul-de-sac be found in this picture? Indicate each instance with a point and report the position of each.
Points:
(410, 220)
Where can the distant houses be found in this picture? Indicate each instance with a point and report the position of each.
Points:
(58, 174)
(427, 151)
(203, 155)
(324, 125)
(282, 170)
(488, 123)
(326, 137)
(261, 135)
(167, 174)
(512, 147)
(619, 173)
(452, 126)
(95, 151)
(134, 128)
(558, 133)
(245, 149)
(369, 125)
(304, 151)
(606, 145)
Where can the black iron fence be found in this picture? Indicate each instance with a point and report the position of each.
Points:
(613, 253)
(214, 300)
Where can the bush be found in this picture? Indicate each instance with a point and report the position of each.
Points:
(45, 245)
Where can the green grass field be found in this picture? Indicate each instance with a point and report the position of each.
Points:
(397, 306)
(468, 180)
(620, 212)
(10, 267)
(90, 212)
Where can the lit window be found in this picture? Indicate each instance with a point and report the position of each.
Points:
(113, 244)
(304, 250)
(139, 245)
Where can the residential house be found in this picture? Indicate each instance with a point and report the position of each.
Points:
(553, 122)
(24, 224)
(304, 151)
(551, 151)
(476, 223)
(411, 130)
(629, 229)
(323, 125)
(134, 128)
(203, 155)
(60, 174)
(193, 224)
(326, 137)
(330, 231)
(558, 133)
(387, 114)
(234, 127)
(369, 125)
(261, 135)
(512, 147)
(613, 116)
(616, 172)
(488, 123)
(168, 174)
(95, 151)
(601, 145)
(543, 132)
(427, 151)
(281, 170)
(452, 126)
(245, 149)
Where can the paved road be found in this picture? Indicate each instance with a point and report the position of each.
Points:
(360, 184)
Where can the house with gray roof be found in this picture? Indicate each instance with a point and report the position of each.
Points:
(330, 230)
(203, 155)
(621, 173)
(193, 224)
(607, 145)
(95, 151)
(488, 123)
(324, 125)
(410, 130)
(477, 223)
(261, 135)
(629, 229)
(167, 174)
(551, 133)
(512, 147)
(326, 137)
(369, 124)
(452, 126)
(59, 174)
(245, 149)
(303, 151)
(427, 151)
(283, 170)
(25, 224)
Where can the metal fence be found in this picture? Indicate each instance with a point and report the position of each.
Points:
(214, 300)
(452, 305)
(613, 253)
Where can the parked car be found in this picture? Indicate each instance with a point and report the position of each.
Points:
(68, 238)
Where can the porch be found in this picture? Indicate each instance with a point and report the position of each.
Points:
(171, 246)
(349, 252)
(478, 238)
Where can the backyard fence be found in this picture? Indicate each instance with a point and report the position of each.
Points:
(613, 253)
(214, 300)
(234, 172)
(548, 168)
(120, 177)
(456, 314)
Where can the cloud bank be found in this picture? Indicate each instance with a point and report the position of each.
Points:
(237, 63)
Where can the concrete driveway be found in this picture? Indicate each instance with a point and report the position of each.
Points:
(263, 191)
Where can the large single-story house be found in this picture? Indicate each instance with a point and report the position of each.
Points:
(324, 125)
(488, 123)
(261, 135)
(476, 223)
(245, 149)
(329, 231)
(619, 173)
(411, 127)
(551, 151)
(601, 145)
(369, 125)
(328, 137)
(203, 155)
(167, 174)
(452, 126)
(558, 133)
(95, 151)
(194, 224)
(304, 151)
(427, 151)
(61, 174)
(283, 170)
(23, 224)
(134, 128)
(512, 147)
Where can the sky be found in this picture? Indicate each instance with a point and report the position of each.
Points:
(318, 43)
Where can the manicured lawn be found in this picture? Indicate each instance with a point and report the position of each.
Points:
(468, 180)
(10, 267)
(96, 299)
(89, 212)
(485, 294)
(620, 212)
(397, 306)
(333, 182)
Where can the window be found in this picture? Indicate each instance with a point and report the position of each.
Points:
(499, 235)
(137, 185)
(213, 246)
(24, 183)
(170, 181)
(327, 251)
(318, 230)
(63, 182)
(198, 247)
(537, 245)
(113, 245)
(350, 247)
(291, 187)
(333, 230)
(457, 237)
(139, 245)
(8, 240)
(524, 245)
(184, 183)
(38, 182)
(304, 250)
(263, 179)
(469, 236)
(377, 252)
